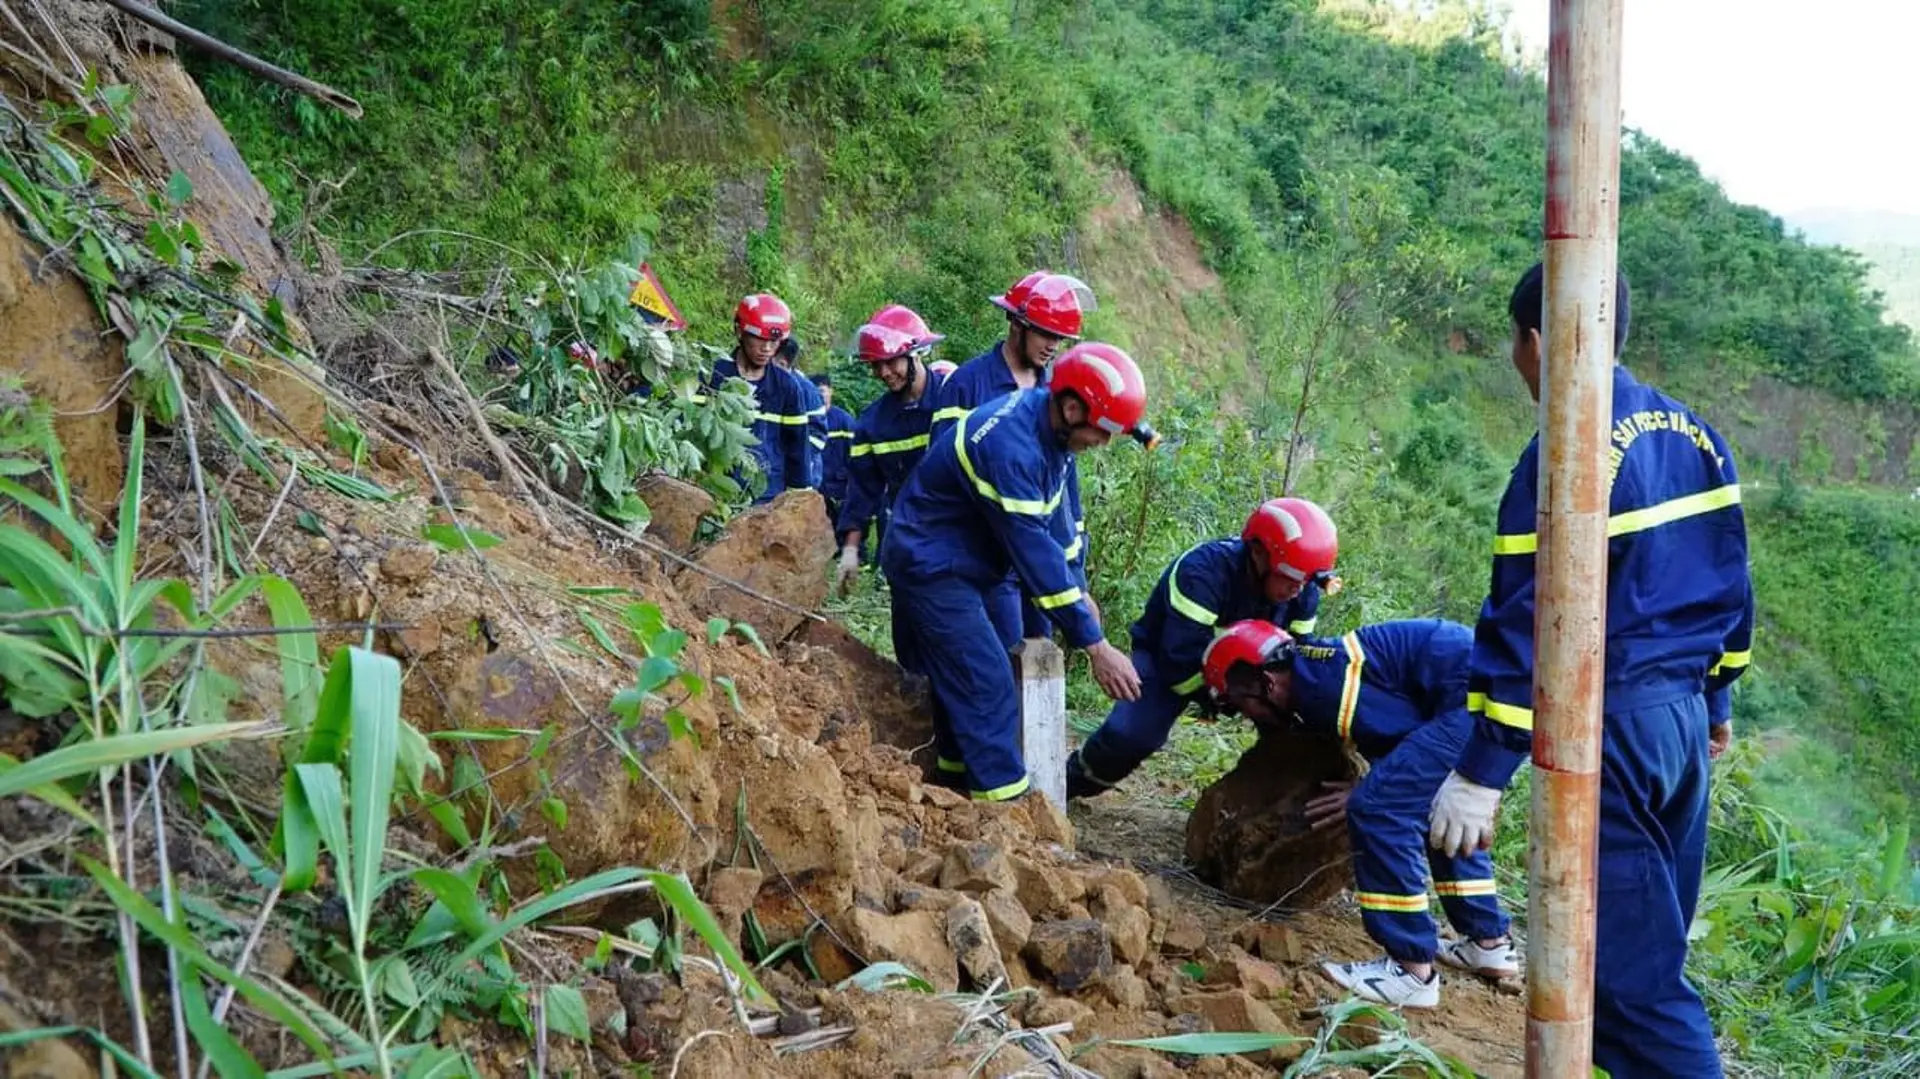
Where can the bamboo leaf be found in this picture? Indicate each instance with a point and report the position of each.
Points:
(126, 540)
(560, 900)
(1223, 1044)
(299, 652)
(459, 896)
(229, 1059)
(447, 537)
(84, 758)
(52, 794)
(677, 892)
(877, 977)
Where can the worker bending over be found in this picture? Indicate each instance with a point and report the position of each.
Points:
(1678, 631)
(781, 403)
(1044, 311)
(1274, 571)
(890, 436)
(984, 503)
(1397, 692)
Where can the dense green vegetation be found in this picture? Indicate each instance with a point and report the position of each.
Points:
(1367, 185)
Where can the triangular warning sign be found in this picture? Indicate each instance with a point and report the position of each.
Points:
(650, 296)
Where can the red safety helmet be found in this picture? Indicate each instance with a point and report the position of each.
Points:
(902, 317)
(1298, 537)
(763, 315)
(943, 368)
(1012, 300)
(1053, 302)
(1106, 380)
(1262, 644)
(875, 343)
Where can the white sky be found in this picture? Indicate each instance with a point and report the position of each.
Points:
(1790, 104)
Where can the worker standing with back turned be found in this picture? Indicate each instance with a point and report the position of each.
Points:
(1679, 631)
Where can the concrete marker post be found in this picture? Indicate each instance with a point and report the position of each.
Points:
(1042, 668)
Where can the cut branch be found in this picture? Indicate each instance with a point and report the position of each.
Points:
(270, 72)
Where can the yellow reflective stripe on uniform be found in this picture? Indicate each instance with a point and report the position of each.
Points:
(1397, 904)
(1350, 687)
(817, 443)
(1031, 506)
(900, 445)
(839, 434)
(1073, 549)
(1464, 887)
(860, 449)
(1000, 794)
(945, 765)
(1058, 599)
(1621, 524)
(1179, 600)
(1302, 625)
(1509, 714)
(1732, 660)
(952, 412)
(1191, 685)
(1080, 526)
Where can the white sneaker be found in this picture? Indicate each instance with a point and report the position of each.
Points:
(1385, 981)
(1496, 963)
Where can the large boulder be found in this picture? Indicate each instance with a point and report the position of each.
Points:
(674, 509)
(780, 550)
(1248, 833)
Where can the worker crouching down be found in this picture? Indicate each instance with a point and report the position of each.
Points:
(982, 502)
(1276, 571)
(1397, 692)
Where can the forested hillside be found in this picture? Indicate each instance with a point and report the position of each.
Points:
(1304, 217)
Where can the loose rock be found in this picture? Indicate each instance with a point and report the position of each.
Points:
(1274, 943)
(1072, 954)
(973, 944)
(976, 867)
(917, 939)
(1243, 971)
(409, 563)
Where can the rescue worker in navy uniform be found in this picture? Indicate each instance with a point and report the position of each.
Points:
(1396, 692)
(891, 434)
(786, 357)
(761, 323)
(1274, 571)
(984, 501)
(1044, 311)
(1679, 631)
(834, 446)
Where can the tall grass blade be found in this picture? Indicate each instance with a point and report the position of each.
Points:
(83, 758)
(299, 652)
(228, 1057)
(136, 905)
(375, 747)
(678, 893)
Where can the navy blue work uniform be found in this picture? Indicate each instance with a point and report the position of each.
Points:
(779, 424)
(1679, 631)
(888, 440)
(816, 407)
(983, 378)
(1208, 588)
(1397, 692)
(982, 504)
(834, 449)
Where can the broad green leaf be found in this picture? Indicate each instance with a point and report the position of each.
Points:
(372, 755)
(716, 629)
(52, 794)
(567, 1012)
(326, 807)
(1803, 939)
(439, 1061)
(90, 756)
(179, 188)
(540, 908)
(600, 634)
(460, 896)
(447, 537)
(228, 1057)
(296, 836)
(333, 717)
(888, 975)
(300, 675)
(1222, 1044)
(656, 671)
(136, 906)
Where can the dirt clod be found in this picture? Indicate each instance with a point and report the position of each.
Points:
(1072, 954)
(1243, 971)
(1249, 834)
(976, 867)
(917, 939)
(408, 564)
(1233, 1010)
(1274, 943)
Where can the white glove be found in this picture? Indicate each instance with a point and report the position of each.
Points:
(849, 569)
(1463, 813)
